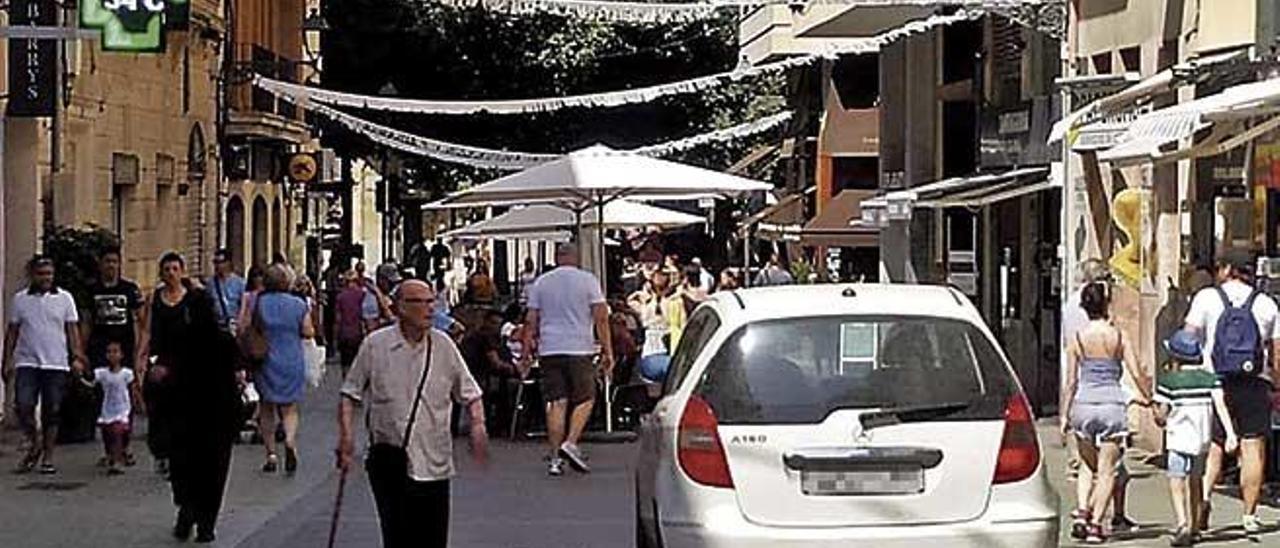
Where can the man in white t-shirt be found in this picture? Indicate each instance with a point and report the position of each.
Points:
(1248, 395)
(41, 346)
(565, 307)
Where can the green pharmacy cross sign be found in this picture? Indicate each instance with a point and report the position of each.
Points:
(133, 25)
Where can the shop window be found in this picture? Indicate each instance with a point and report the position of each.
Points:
(857, 81)
(1131, 58)
(959, 135)
(1102, 63)
(960, 44)
(857, 172)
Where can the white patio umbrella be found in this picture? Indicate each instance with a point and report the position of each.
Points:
(593, 177)
(599, 174)
(548, 219)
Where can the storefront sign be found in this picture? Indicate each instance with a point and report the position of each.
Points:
(33, 71)
(1016, 136)
(134, 25)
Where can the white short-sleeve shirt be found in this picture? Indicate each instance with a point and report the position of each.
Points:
(386, 371)
(42, 320)
(563, 299)
(1207, 307)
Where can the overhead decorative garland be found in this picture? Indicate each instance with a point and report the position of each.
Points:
(677, 12)
(505, 160)
(305, 96)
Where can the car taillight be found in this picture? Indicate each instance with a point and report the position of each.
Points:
(1019, 448)
(698, 445)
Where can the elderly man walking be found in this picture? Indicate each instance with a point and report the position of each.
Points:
(408, 376)
(565, 306)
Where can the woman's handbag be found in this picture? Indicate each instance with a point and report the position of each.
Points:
(253, 340)
(387, 456)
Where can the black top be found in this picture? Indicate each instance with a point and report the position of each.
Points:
(112, 309)
(186, 339)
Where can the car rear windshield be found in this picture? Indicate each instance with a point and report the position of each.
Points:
(798, 371)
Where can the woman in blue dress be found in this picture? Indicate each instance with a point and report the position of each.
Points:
(285, 319)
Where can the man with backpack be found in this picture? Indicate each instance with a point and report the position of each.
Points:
(1238, 324)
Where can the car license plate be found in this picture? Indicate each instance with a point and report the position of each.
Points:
(902, 481)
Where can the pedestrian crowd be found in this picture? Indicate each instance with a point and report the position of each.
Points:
(206, 361)
(1213, 400)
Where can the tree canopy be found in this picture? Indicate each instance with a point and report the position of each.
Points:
(427, 50)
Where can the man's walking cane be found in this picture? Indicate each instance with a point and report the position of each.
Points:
(337, 507)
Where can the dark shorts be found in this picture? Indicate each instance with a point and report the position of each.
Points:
(45, 387)
(1249, 402)
(570, 378)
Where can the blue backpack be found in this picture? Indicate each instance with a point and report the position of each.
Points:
(1237, 340)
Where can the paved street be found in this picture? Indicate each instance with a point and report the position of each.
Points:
(511, 504)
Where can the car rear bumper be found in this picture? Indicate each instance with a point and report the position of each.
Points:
(975, 534)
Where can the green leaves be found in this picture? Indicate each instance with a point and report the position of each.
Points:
(432, 51)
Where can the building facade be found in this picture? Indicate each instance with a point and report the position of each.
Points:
(131, 148)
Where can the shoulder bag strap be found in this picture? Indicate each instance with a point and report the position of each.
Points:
(417, 398)
(1226, 301)
(222, 297)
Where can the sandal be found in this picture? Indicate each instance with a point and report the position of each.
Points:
(272, 464)
(1096, 534)
(48, 469)
(1080, 523)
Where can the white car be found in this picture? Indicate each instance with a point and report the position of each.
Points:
(841, 415)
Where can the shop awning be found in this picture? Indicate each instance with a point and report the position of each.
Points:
(1146, 138)
(839, 224)
(973, 191)
(1140, 92)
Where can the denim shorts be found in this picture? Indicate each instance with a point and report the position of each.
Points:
(1181, 465)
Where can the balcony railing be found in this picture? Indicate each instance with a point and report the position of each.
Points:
(253, 59)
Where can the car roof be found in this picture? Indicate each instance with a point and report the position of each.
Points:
(767, 303)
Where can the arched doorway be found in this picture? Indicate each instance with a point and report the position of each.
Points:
(277, 221)
(235, 230)
(260, 251)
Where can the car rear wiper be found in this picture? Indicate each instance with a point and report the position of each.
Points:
(911, 413)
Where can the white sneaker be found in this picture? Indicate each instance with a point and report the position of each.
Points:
(1251, 524)
(555, 467)
(571, 453)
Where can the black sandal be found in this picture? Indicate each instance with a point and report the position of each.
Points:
(290, 460)
(48, 469)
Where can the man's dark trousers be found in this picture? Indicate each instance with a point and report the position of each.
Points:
(411, 513)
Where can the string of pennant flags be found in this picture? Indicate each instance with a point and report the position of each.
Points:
(306, 96)
(487, 158)
(676, 12)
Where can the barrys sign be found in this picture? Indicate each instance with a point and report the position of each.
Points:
(134, 25)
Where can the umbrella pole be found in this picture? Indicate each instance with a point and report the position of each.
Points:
(746, 258)
(604, 268)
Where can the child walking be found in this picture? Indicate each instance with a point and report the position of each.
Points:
(118, 388)
(1189, 395)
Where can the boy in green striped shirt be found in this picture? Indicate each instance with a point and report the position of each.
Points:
(1188, 396)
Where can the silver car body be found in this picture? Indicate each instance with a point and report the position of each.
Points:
(767, 505)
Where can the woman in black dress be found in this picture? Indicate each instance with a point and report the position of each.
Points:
(195, 370)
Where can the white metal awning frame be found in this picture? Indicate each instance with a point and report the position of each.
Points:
(972, 191)
(1226, 114)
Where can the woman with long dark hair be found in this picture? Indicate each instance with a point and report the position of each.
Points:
(195, 371)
